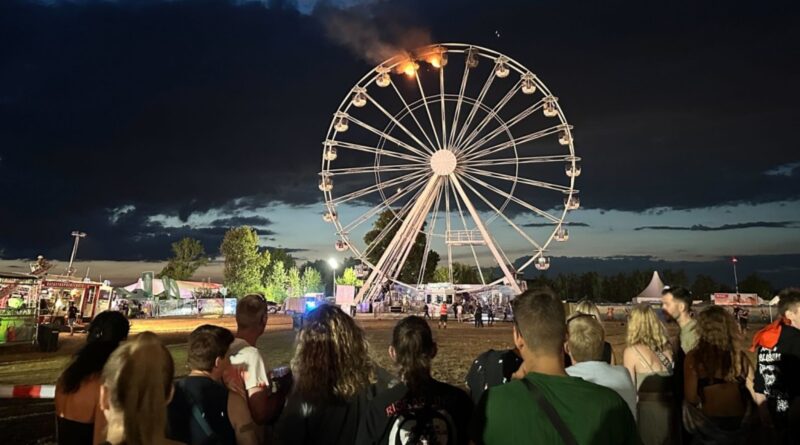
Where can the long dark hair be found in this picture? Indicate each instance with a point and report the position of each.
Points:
(414, 348)
(105, 333)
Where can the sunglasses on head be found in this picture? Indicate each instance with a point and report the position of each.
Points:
(579, 315)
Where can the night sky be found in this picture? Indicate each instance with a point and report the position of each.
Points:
(140, 122)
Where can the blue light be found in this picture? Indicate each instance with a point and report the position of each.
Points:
(311, 305)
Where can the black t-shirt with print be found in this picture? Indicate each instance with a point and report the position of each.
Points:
(778, 373)
(438, 413)
(491, 368)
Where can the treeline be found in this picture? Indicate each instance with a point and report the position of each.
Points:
(622, 287)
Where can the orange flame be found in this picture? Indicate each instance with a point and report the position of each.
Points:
(409, 68)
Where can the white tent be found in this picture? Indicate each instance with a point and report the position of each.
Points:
(651, 293)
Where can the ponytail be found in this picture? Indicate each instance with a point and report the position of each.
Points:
(414, 348)
(139, 377)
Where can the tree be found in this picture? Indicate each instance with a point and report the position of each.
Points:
(278, 254)
(410, 270)
(188, 255)
(294, 282)
(441, 275)
(244, 263)
(464, 274)
(349, 278)
(703, 286)
(275, 287)
(312, 281)
(756, 285)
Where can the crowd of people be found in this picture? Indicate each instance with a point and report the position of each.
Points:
(560, 383)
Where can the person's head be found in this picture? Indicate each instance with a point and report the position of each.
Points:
(539, 323)
(586, 338)
(719, 352)
(412, 349)
(331, 360)
(789, 305)
(105, 333)
(588, 308)
(137, 386)
(251, 313)
(109, 326)
(676, 302)
(208, 346)
(644, 328)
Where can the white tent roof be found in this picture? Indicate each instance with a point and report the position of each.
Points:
(653, 290)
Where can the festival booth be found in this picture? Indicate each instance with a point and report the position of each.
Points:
(58, 291)
(165, 297)
(726, 299)
(18, 307)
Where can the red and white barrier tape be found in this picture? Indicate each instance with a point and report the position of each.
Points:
(27, 391)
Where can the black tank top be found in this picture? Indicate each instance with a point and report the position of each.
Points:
(198, 413)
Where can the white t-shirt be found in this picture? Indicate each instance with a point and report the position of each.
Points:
(248, 362)
(615, 377)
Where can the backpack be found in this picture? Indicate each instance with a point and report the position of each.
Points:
(422, 426)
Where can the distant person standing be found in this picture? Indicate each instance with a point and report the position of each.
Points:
(459, 312)
(426, 312)
(478, 316)
(72, 317)
(443, 315)
(744, 317)
(491, 314)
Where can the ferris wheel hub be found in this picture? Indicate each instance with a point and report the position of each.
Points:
(443, 162)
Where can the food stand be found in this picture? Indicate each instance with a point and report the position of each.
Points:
(57, 291)
(18, 307)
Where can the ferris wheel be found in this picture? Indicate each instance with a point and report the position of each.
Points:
(456, 147)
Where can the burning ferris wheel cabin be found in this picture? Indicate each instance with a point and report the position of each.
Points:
(461, 144)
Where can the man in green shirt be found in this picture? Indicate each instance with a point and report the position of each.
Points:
(677, 303)
(543, 405)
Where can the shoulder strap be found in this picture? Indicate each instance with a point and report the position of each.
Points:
(197, 415)
(643, 359)
(552, 415)
(668, 365)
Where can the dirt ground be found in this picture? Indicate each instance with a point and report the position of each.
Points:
(31, 421)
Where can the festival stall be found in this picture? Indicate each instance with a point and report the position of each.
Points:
(18, 307)
(58, 291)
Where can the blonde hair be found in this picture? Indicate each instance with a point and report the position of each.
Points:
(138, 376)
(586, 338)
(720, 352)
(331, 362)
(588, 308)
(644, 328)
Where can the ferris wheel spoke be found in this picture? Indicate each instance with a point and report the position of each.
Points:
(375, 187)
(386, 136)
(397, 123)
(530, 137)
(516, 179)
(505, 127)
(443, 106)
(430, 145)
(378, 151)
(448, 226)
(522, 203)
(429, 237)
(494, 113)
(475, 107)
(502, 215)
(428, 110)
(398, 216)
(471, 247)
(374, 169)
(459, 101)
(521, 160)
(391, 200)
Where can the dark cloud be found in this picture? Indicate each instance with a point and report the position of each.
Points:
(747, 225)
(178, 107)
(566, 223)
(253, 221)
